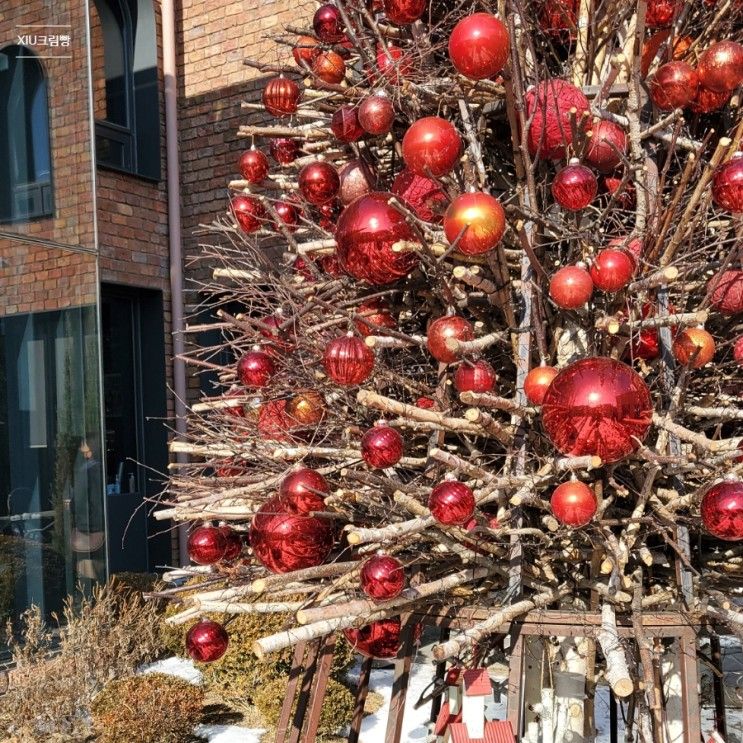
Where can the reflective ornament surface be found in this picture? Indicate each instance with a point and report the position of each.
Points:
(234, 543)
(727, 184)
(307, 407)
(694, 346)
(674, 85)
(476, 221)
(571, 287)
(573, 503)
(327, 24)
(382, 447)
(376, 114)
(319, 182)
(206, 545)
(441, 330)
(348, 360)
(249, 213)
(382, 577)
(253, 166)
(302, 491)
(305, 51)
(403, 12)
(605, 147)
(281, 96)
(478, 46)
(373, 316)
(660, 13)
(345, 124)
(329, 67)
(722, 510)
(720, 68)
(452, 502)
(379, 639)
(574, 187)
(537, 382)
(207, 641)
(477, 377)
(284, 150)
(431, 146)
(612, 270)
(423, 195)
(255, 369)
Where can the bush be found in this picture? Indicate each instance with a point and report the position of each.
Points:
(154, 708)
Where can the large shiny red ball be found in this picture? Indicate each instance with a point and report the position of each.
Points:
(476, 221)
(537, 383)
(722, 510)
(725, 291)
(478, 46)
(329, 67)
(327, 24)
(206, 545)
(574, 187)
(573, 503)
(477, 377)
(694, 346)
(281, 96)
(379, 639)
(607, 144)
(727, 185)
(423, 195)
(431, 146)
(720, 67)
(345, 124)
(234, 543)
(285, 541)
(571, 287)
(357, 179)
(376, 114)
(207, 641)
(253, 166)
(348, 360)
(660, 13)
(452, 503)
(674, 85)
(319, 182)
(368, 231)
(612, 270)
(382, 447)
(373, 316)
(249, 212)
(302, 491)
(597, 406)
(284, 150)
(441, 330)
(255, 369)
(403, 12)
(305, 51)
(382, 577)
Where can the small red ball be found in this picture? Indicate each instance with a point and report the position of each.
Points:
(612, 270)
(253, 166)
(281, 96)
(607, 144)
(537, 383)
(695, 346)
(720, 67)
(206, 545)
(727, 184)
(725, 291)
(477, 377)
(345, 124)
(357, 179)
(423, 195)
(571, 287)
(234, 543)
(329, 67)
(305, 51)
(674, 85)
(738, 352)
(477, 220)
(573, 503)
(348, 360)
(288, 214)
(249, 213)
(478, 46)
(660, 13)
(282, 339)
(394, 66)
(722, 510)
(302, 491)
(207, 641)
(319, 182)
(255, 369)
(284, 150)
(327, 24)
(376, 114)
(274, 423)
(382, 447)
(708, 100)
(443, 329)
(379, 639)
(431, 146)
(374, 312)
(403, 12)
(452, 503)
(574, 187)
(382, 577)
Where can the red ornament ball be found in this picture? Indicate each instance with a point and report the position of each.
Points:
(284, 150)
(559, 18)
(708, 100)
(477, 377)
(727, 184)
(282, 339)
(348, 360)
(382, 447)
(281, 96)
(452, 503)
(255, 369)
(249, 213)
(207, 641)
(305, 51)
(574, 187)
(720, 67)
(367, 231)
(441, 330)
(234, 543)
(274, 423)
(376, 114)
(597, 406)
(329, 67)
(382, 577)
(423, 195)
(738, 352)
(674, 85)
(345, 124)
(285, 541)
(394, 65)
(660, 13)
(477, 221)
(307, 407)
(537, 383)
(319, 182)
(236, 409)
(431, 147)
(357, 179)
(694, 346)
(571, 287)
(327, 24)
(612, 270)
(403, 12)
(379, 639)
(722, 510)
(725, 291)
(253, 166)
(374, 312)
(302, 491)
(478, 46)
(573, 503)
(288, 214)
(206, 545)
(606, 145)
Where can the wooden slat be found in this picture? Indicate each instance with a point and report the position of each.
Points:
(400, 683)
(310, 663)
(689, 683)
(515, 685)
(439, 677)
(319, 687)
(291, 691)
(361, 692)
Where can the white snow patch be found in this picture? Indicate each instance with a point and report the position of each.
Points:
(229, 734)
(180, 667)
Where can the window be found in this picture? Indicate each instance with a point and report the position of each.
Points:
(125, 94)
(25, 160)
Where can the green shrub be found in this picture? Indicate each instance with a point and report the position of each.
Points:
(154, 708)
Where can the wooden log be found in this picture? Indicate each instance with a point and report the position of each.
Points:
(617, 673)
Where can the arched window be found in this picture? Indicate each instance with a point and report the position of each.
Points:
(25, 159)
(125, 93)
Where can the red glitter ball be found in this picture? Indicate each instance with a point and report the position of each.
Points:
(376, 114)
(738, 352)
(423, 195)
(452, 502)
(441, 330)
(382, 577)
(571, 287)
(708, 100)
(574, 187)
(382, 447)
(722, 510)
(725, 292)
(431, 146)
(727, 184)
(207, 641)
(478, 46)
(612, 270)
(606, 145)
(206, 545)
(329, 67)
(281, 96)
(379, 639)
(573, 503)
(357, 179)
(674, 85)
(305, 50)
(348, 360)
(477, 377)
(720, 68)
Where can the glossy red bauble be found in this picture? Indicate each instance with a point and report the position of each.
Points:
(722, 510)
(382, 577)
(708, 100)
(274, 423)
(288, 214)
(452, 503)
(423, 195)
(727, 184)
(720, 67)
(249, 213)
(373, 316)
(327, 24)
(476, 377)
(207, 641)
(537, 383)
(382, 447)
(379, 639)
(282, 339)
(573, 503)
(357, 179)
(441, 330)
(674, 85)
(607, 144)
(253, 166)
(660, 13)
(348, 360)
(571, 287)
(255, 369)
(725, 291)
(478, 46)
(738, 353)
(302, 491)
(476, 221)
(305, 51)
(394, 65)
(319, 182)
(597, 406)
(632, 245)
(329, 67)
(307, 407)
(281, 96)
(368, 230)
(694, 346)
(284, 150)
(285, 541)
(431, 146)
(574, 187)
(376, 114)
(206, 545)
(234, 543)
(403, 12)
(345, 124)
(612, 270)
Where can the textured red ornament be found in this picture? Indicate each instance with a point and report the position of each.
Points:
(253, 166)
(284, 150)
(345, 124)
(612, 270)
(234, 543)
(274, 423)
(356, 179)
(722, 510)
(537, 383)
(394, 66)
(329, 67)
(478, 220)
(426, 403)
(376, 114)
(423, 195)
(441, 330)
(373, 312)
(403, 12)
(302, 491)
(573, 503)
(206, 545)
(660, 13)
(288, 214)
(331, 265)
(624, 198)
(255, 369)
(478, 46)
(382, 447)
(382, 577)
(305, 51)
(708, 100)
(738, 353)
(348, 360)
(674, 85)
(431, 146)
(725, 291)
(367, 230)
(477, 377)
(720, 67)
(379, 639)
(652, 46)
(452, 502)
(548, 106)
(319, 182)
(207, 641)
(285, 541)
(571, 287)
(574, 187)
(606, 145)
(597, 406)
(234, 411)
(327, 24)
(280, 96)
(727, 184)
(249, 213)
(695, 346)
(632, 245)
(307, 408)
(279, 338)
(559, 18)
